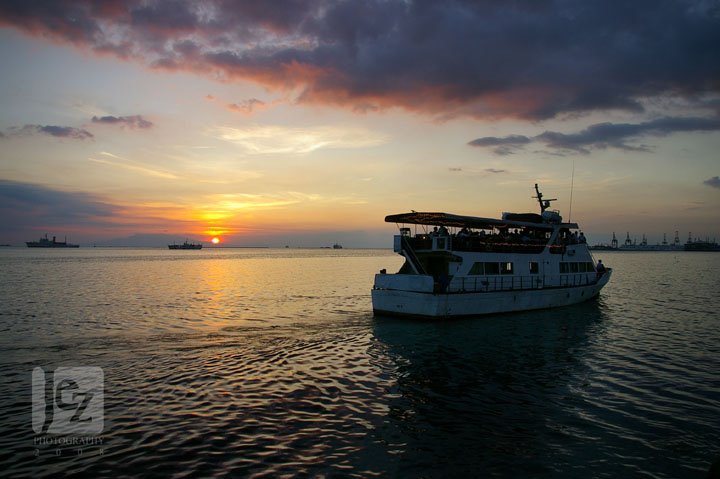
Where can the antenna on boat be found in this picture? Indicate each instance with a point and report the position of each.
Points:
(572, 183)
(544, 204)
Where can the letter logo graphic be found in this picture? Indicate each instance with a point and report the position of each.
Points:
(69, 400)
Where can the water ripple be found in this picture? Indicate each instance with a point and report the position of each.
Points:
(226, 365)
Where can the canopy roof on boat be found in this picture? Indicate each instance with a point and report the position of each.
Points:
(524, 220)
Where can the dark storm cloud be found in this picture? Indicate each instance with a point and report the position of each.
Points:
(61, 131)
(713, 182)
(52, 130)
(616, 135)
(25, 205)
(512, 140)
(134, 121)
(502, 146)
(604, 135)
(530, 59)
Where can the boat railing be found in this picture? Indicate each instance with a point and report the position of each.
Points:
(518, 282)
(495, 283)
(486, 244)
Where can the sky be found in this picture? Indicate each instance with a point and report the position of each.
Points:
(305, 123)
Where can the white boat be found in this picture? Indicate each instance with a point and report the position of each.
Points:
(468, 266)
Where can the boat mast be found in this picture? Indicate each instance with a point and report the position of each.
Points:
(544, 204)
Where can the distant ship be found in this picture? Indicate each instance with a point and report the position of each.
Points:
(46, 243)
(337, 246)
(185, 245)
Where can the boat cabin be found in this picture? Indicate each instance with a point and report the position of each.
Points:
(519, 251)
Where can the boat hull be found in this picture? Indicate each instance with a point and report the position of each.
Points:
(56, 245)
(394, 302)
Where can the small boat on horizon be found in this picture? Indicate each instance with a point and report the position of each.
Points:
(469, 266)
(186, 245)
(46, 243)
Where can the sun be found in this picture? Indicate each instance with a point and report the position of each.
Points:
(215, 240)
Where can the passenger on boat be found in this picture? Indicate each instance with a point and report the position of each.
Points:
(600, 268)
(581, 238)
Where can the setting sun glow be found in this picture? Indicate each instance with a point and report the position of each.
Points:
(215, 240)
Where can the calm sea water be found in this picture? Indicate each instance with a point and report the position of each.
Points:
(270, 363)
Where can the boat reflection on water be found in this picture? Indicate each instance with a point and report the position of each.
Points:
(489, 395)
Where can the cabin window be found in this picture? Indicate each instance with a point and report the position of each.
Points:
(566, 268)
(477, 269)
(534, 267)
(492, 268)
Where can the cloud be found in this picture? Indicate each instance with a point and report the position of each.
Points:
(26, 206)
(713, 182)
(135, 121)
(503, 146)
(477, 172)
(29, 210)
(52, 130)
(247, 107)
(527, 59)
(602, 135)
(228, 204)
(512, 140)
(280, 139)
(124, 163)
